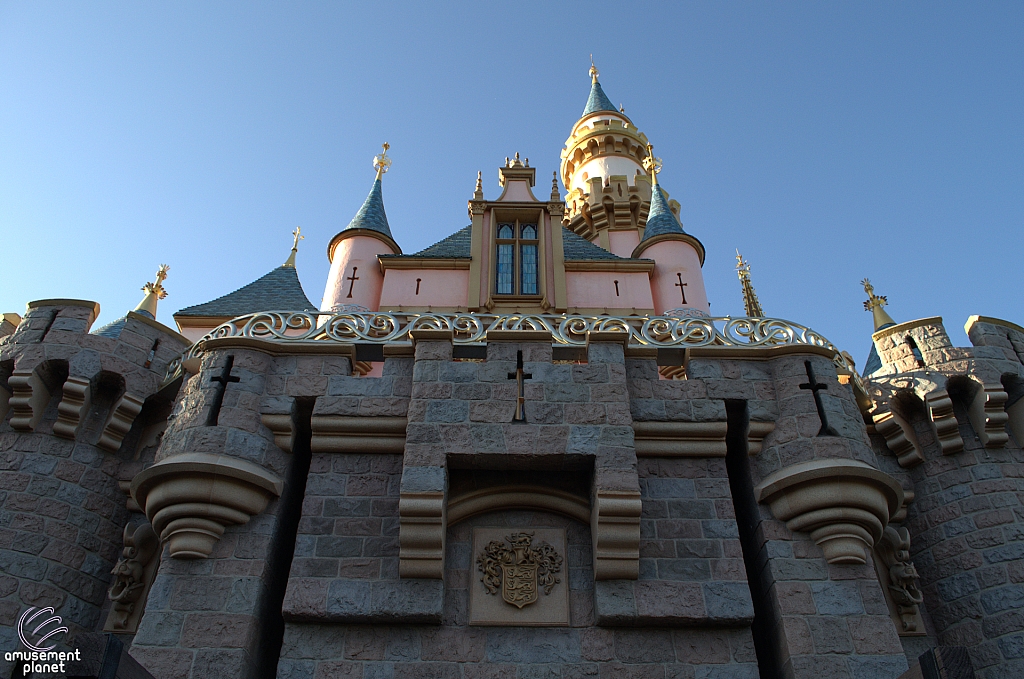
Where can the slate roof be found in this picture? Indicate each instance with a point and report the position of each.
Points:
(598, 101)
(371, 215)
(456, 246)
(577, 248)
(279, 289)
(874, 361)
(660, 219)
(114, 328)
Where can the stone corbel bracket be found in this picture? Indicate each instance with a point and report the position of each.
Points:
(615, 528)
(133, 577)
(947, 429)
(899, 437)
(122, 416)
(73, 406)
(191, 498)
(423, 521)
(844, 504)
(988, 416)
(899, 434)
(29, 398)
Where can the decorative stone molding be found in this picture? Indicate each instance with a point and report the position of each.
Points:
(899, 581)
(692, 439)
(191, 498)
(345, 434)
(133, 576)
(122, 415)
(278, 415)
(422, 526)
(843, 504)
(680, 439)
(756, 433)
(615, 531)
(987, 413)
(29, 398)
(539, 498)
(73, 406)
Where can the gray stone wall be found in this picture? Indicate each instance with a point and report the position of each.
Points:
(454, 649)
(62, 511)
(967, 541)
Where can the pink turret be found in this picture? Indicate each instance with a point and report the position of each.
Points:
(355, 280)
(678, 283)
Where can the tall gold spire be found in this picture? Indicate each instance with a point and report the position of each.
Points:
(381, 162)
(593, 70)
(652, 164)
(874, 304)
(751, 305)
(154, 292)
(297, 233)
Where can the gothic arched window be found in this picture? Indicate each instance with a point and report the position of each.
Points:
(516, 259)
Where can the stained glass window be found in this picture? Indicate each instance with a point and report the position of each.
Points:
(516, 262)
(528, 267)
(505, 268)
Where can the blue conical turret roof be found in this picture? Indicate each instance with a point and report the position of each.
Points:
(660, 220)
(598, 100)
(371, 215)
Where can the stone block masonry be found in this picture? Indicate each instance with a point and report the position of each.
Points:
(62, 511)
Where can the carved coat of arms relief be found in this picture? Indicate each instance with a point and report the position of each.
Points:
(519, 569)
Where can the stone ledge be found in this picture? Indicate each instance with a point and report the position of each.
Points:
(656, 603)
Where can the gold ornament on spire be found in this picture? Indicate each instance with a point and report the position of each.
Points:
(652, 164)
(593, 70)
(478, 194)
(381, 162)
(751, 305)
(874, 304)
(154, 292)
(297, 233)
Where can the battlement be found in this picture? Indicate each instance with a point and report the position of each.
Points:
(51, 358)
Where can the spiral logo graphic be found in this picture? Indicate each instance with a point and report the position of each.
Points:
(26, 621)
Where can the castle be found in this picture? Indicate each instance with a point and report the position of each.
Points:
(525, 451)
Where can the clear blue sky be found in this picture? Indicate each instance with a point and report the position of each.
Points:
(828, 141)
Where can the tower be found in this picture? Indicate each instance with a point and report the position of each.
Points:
(614, 200)
(355, 279)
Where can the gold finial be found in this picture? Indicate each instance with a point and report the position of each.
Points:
(751, 305)
(622, 109)
(593, 70)
(381, 162)
(874, 304)
(555, 195)
(479, 193)
(652, 164)
(154, 292)
(297, 233)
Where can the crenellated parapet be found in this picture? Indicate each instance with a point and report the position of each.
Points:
(80, 413)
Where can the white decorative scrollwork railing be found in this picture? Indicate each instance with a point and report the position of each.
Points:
(298, 327)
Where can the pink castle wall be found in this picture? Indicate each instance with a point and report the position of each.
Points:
(359, 252)
(438, 288)
(672, 257)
